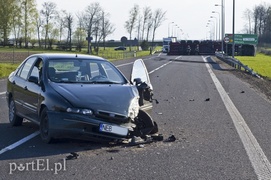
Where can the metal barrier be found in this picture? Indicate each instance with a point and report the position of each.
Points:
(236, 64)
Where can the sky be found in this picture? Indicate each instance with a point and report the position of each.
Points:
(185, 19)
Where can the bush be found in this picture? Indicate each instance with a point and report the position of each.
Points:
(145, 45)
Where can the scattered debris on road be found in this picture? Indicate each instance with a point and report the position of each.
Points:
(72, 156)
(171, 138)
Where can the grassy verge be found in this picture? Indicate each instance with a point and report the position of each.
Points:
(10, 59)
(261, 64)
(6, 69)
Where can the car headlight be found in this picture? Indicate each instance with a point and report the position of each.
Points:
(133, 108)
(79, 111)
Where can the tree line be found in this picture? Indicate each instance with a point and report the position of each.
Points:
(21, 20)
(259, 22)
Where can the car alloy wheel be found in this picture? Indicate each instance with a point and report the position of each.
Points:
(14, 119)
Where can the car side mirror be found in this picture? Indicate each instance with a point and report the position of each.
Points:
(137, 81)
(33, 79)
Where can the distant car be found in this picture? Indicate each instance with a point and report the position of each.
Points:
(80, 96)
(120, 48)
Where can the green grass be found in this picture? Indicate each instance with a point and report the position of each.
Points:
(6, 69)
(261, 64)
(6, 65)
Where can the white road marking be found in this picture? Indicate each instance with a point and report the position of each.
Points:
(18, 143)
(259, 161)
(162, 66)
(124, 64)
(132, 62)
(1, 93)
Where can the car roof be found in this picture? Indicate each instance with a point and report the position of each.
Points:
(47, 56)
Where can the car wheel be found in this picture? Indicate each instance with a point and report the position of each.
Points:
(14, 119)
(44, 127)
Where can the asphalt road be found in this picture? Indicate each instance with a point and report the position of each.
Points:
(221, 124)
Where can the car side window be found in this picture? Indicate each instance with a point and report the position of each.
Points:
(94, 69)
(24, 71)
(37, 69)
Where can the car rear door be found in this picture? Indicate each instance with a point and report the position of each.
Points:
(26, 93)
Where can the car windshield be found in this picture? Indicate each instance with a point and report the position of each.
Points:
(84, 71)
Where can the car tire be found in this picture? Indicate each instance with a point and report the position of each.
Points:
(44, 127)
(14, 119)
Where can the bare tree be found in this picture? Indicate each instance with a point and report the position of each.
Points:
(49, 12)
(259, 13)
(52, 35)
(107, 27)
(80, 33)
(62, 15)
(92, 12)
(149, 26)
(97, 30)
(248, 14)
(158, 18)
(146, 16)
(267, 30)
(69, 21)
(39, 24)
(130, 24)
(139, 24)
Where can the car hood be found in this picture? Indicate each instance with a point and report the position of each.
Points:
(113, 98)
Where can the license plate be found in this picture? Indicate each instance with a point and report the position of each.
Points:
(113, 129)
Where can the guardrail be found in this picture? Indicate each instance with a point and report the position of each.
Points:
(236, 64)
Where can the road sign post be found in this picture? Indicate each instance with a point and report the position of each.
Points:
(226, 40)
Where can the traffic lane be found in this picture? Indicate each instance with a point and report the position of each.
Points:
(151, 62)
(204, 126)
(252, 104)
(200, 149)
(8, 133)
(3, 85)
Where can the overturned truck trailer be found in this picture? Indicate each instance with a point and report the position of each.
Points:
(207, 47)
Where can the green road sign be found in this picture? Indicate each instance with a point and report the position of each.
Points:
(243, 38)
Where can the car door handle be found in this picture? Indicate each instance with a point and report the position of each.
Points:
(25, 88)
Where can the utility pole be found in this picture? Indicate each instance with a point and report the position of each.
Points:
(233, 23)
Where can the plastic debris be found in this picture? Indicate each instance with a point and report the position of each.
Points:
(72, 156)
(171, 138)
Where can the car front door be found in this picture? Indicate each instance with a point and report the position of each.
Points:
(140, 78)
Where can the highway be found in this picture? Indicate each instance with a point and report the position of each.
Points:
(221, 124)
